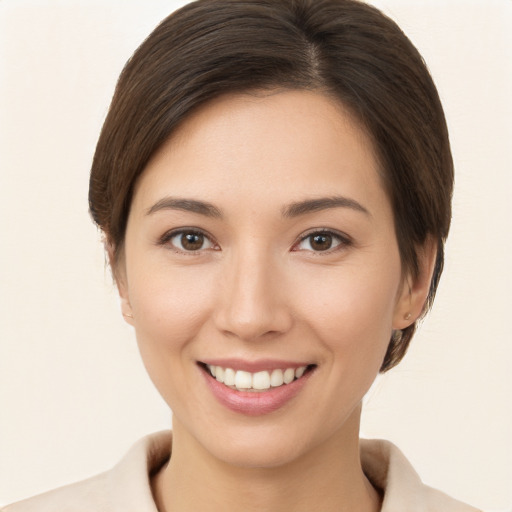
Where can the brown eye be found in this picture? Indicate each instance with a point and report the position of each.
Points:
(190, 241)
(320, 242)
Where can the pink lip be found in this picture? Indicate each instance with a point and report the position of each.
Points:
(254, 366)
(255, 403)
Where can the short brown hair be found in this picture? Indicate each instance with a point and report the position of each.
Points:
(344, 48)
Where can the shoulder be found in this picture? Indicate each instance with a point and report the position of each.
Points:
(90, 494)
(126, 487)
(388, 469)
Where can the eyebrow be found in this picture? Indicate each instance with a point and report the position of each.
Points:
(187, 205)
(295, 209)
(322, 203)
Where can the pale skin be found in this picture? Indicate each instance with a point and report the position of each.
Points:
(294, 257)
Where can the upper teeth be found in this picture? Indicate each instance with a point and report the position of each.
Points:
(259, 380)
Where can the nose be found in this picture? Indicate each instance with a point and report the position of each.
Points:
(252, 303)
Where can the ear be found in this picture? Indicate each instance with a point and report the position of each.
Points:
(414, 290)
(119, 274)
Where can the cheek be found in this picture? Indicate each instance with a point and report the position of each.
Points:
(351, 311)
(169, 307)
(166, 297)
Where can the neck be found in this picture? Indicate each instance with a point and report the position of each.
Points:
(328, 478)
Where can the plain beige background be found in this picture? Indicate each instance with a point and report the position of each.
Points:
(73, 393)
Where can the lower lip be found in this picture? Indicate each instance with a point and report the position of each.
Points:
(255, 403)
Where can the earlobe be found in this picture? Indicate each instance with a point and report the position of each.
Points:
(126, 308)
(119, 275)
(414, 291)
(122, 288)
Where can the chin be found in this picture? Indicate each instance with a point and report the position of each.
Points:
(262, 453)
(250, 444)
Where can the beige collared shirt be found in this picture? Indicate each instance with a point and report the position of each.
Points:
(126, 487)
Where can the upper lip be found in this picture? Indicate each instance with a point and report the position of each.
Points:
(256, 365)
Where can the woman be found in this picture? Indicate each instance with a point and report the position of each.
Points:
(273, 180)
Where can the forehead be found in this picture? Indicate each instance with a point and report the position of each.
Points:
(257, 143)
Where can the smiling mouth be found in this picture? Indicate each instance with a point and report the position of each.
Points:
(261, 381)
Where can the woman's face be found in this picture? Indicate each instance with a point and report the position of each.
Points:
(261, 241)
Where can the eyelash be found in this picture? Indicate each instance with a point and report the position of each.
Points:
(343, 241)
(167, 238)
